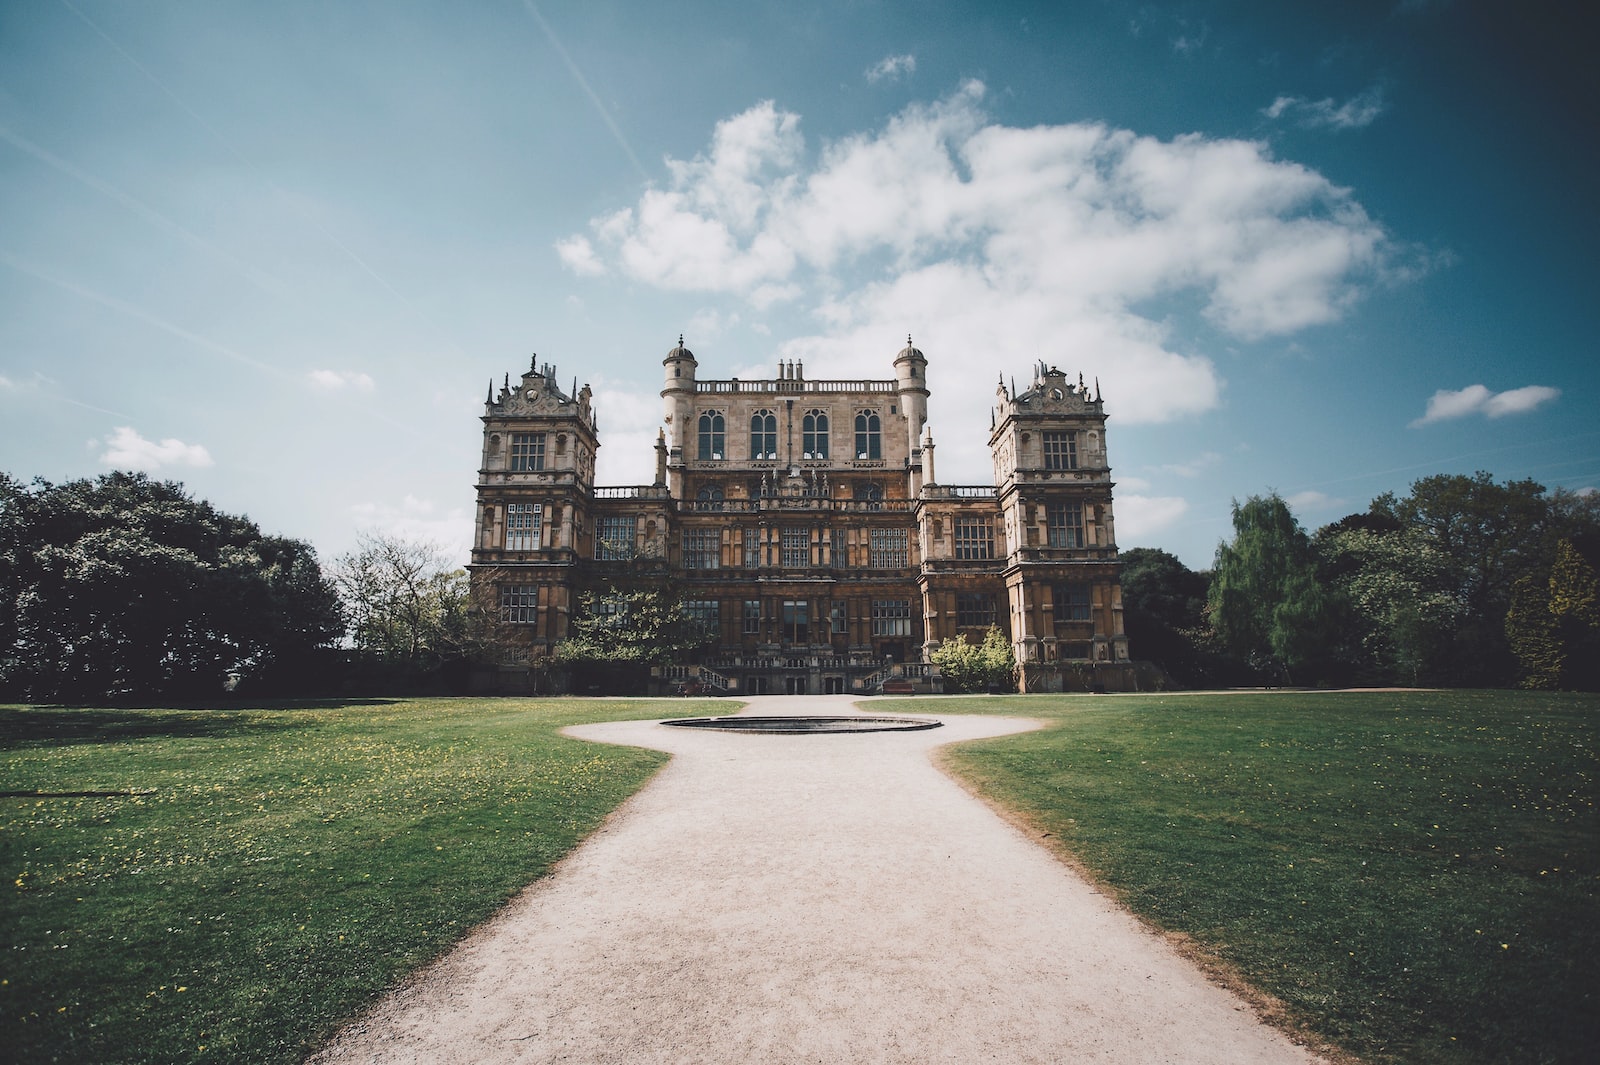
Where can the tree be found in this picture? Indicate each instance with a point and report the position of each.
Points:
(1164, 612)
(969, 667)
(407, 604)
(1492, 535)
(622, 630)
(126, 588)
(1402, 601)
(1552, 624)
(1265, 601)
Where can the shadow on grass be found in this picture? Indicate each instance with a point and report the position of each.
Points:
(33, 726)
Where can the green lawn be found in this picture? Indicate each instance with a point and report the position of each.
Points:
(1415, 876)
(226, 885)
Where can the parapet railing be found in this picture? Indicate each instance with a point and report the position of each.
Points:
(736, 386)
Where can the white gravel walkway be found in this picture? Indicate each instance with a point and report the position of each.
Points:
(811, 898)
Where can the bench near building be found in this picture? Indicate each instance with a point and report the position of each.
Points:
(804, 524)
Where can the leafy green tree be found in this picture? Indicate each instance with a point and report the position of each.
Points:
(1553, 624)
(1402, 601)
(647, 625)
(1164, 612)
(123, 588)
(1265, 601)
(969, 667)
(1492, 535)
(407, 603)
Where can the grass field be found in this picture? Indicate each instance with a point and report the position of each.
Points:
(1416, 876)
(225, 885)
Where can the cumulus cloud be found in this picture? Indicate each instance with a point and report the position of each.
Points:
(578, 256)
(414, 518)
(891, 68)
(127, 450)
(1140, 517)
(1357, 112)
(1313, 501)
(1444, 404)
(335, 380)
(998, 245)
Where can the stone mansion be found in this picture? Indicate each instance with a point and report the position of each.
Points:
(804, 525)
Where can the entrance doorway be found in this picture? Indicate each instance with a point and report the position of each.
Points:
(832, 685)
(795, 685)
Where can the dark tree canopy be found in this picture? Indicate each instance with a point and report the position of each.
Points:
(1266, 602)
(122, 588)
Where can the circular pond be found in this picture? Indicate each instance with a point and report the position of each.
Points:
(794, 725)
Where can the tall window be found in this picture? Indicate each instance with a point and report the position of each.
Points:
(713, 435)
(796, 547)
(1060, 450)
(1072, 602)
(796, 621)
(763, 435)
(974, 538)
(704, 614)
(974, 610)
(1064, 521)
(887, 549)
(814, 435)
(614, 538)
(519, 604)
(527, 452)
(752, 617)
(869, 435)
(838, 618)
(838, 552)
(891, 617)
(752, 548)
(523, 521)
(701, 548)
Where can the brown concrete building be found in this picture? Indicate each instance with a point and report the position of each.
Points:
(804, 525)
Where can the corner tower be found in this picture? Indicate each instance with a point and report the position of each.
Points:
(1053, 482)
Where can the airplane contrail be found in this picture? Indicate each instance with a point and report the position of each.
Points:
(583, 83)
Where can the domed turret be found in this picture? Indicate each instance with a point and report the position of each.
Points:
(677, 391)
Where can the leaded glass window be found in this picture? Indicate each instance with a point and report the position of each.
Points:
(527, 452)
(523, 526)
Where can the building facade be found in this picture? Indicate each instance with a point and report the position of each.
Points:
(803, 525)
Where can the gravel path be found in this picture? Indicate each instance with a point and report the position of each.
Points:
(811, 898)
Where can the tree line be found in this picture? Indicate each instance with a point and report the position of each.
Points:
(1462, 582)
(122, 588)
(126, 589)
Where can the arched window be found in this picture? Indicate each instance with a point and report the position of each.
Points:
(713, 435)
(814, 438)
(763, 435)
(709, 497)
(869, 435)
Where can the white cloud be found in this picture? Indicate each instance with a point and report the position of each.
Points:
(1313, 501)
(127, 450)
(1357, 112)
(997, 245)
(891, 67)
(419, 519)
(1195, 466)
(8, 384)
(334, 380)
(1477, 399)
(578, 255)
(1141, 517)
(629, 422)
(1587, 490)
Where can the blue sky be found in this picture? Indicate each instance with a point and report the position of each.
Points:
(278, 251)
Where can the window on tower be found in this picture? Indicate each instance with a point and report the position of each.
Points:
(527, 452)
